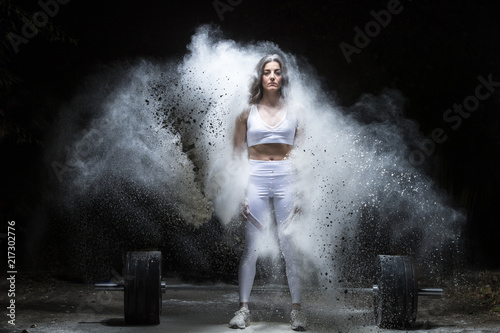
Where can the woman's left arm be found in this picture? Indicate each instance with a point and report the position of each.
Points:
(300, 137)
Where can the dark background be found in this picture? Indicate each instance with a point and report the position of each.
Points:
(433, 52)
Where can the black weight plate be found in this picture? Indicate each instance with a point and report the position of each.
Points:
(153, 290)
(395, 302)
(129, 301)
(382, 301)
(411, 303)
(142, 298)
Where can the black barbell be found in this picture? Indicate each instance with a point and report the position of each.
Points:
(395, 293)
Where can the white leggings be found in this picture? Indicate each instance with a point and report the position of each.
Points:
(269, 180)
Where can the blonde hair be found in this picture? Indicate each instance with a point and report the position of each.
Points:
(256, 89)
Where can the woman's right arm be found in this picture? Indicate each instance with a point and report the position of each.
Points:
(240, 134)
(239, 144)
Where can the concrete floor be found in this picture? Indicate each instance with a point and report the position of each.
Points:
(58, 306)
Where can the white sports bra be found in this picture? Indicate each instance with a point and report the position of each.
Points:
(258, 132)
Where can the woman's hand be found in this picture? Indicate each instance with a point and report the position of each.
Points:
(244, 210)
(297, 210)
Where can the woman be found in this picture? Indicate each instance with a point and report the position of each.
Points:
(268, 129)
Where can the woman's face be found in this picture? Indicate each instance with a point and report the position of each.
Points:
(271, 76)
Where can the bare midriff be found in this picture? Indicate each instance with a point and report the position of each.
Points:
(270, 152)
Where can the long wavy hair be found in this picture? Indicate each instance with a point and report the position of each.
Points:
(256, 90)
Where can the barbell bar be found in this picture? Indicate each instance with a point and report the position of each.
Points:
(395, 294)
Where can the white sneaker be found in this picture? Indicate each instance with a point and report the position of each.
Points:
(241, 319)
(299, 320)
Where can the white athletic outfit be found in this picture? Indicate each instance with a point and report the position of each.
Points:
(270, 189)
